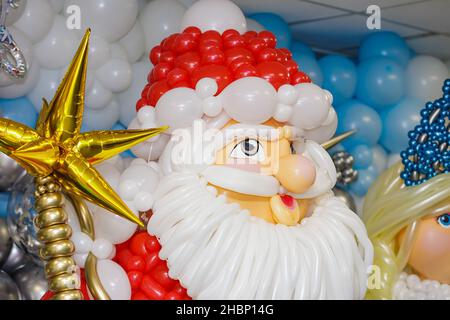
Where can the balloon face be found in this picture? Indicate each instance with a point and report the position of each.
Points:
(219, 15)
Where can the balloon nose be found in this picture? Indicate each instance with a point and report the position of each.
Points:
(296, 173)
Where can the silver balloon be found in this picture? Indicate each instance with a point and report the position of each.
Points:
(16, 259)
(10, 171)
(31, 281)
(21, 214)
(8, 289)
(5, 242)
(346, 197)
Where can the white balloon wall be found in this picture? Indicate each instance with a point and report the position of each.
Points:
(123, 32)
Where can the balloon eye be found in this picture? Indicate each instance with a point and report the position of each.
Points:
(444, 220)
(248, 148)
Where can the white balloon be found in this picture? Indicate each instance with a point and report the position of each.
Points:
(36, 20)
(102, 248)
(118, 52)
(56, 50)
(14, 14)
(143, 201)
(82, 242)
(128, 189)
(144, 176)
(380, 158)
(324, 132)
(102, 119)
(111, 19)
(159, 19)
(26, 46)
(312, 107)
(115, 75)
(22, 87)
(99, 52)
(146, 115)
(46, 87)
(178, 108)
(217, 15)
(114, 280)
(253, 25)
(424, 77)
(98, 97)
(80, 259)
(110, 173)
(134, 43)
(249, 100)
(151, 150)
(111, 227)
(57, 5)
(128, 98)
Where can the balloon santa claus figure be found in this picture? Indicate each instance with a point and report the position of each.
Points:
(241, 205)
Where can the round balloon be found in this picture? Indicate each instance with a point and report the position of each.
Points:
(398, 121)
(354, 115)
(301, 49)
(46, 86)
(275, 24)
(253, 25)
(385, 44)
(381, 82)
(424, 78)
(340, 77)
(310, 66)
(366, 178)
(19, 110)
(362, 155)
(36, 19)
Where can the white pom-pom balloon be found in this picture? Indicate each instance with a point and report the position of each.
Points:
(98, 97)
(102, 248)
(57, 48)
(112, 227)
(212, 106)
(217, 15)
(115, 75)
(283, 112)
(159, 19)
(36, 20)
(424, 78)
(178, 108)
(287, 94)
(249, 100)
(312, 107)
(99, 52)
(326, 131)
(82, 242)
(206, 87)
(145, 177)
(111, 19)
(114, 279)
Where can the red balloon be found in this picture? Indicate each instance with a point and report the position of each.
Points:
(219, 73)
(188, 61)
(160, 71)
(246, 70)
(151, 261)
(184, 42)
(140, 103)
(175, 76)
(281, 56)
(152, 289)
(182, 84)
(274, 72)
(268, 38)
(167, 56)
(137, 244)
(156, 91)
(155, 55)
(211, 35)
(300, 77)
(267, 54)
(135, 278)
(139, 296)
(237, 63)
(194, 31)
(230, 33)
(249, 35)
(292, 67)
(238, 53)
(287, 52)
(206, 45)
(255, 45)
(167, 43)
(161, 275)
(234, 41)
(213, 56)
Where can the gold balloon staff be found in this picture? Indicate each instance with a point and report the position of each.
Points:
(58, 155)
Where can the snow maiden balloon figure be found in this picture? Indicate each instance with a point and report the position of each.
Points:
(407, 213)
(239, 204)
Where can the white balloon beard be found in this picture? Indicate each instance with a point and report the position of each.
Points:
(219, 251)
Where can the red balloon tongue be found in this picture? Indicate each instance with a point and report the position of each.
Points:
(288, 200)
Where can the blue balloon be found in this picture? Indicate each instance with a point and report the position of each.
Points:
(299, 48)
(19, 110)
(354, 115)
(381, 82)
(366, 178)
(4, 199)
(363, 156)
(385, 44)
(275, 24)
(398, 121)
(339, 77)
(310, 66)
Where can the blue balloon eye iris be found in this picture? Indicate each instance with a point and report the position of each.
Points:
(444, 220)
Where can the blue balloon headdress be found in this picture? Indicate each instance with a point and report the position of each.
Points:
(428, 153)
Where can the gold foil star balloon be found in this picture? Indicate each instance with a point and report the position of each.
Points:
(57, 148)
